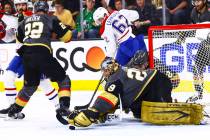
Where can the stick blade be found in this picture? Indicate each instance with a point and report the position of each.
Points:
(81, 107)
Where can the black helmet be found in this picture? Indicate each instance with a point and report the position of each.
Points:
(41, 6)
(140, 58)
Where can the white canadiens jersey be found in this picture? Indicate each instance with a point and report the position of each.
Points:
(115, 30)
(11, 26)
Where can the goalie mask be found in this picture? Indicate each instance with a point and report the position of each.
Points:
(109, 66)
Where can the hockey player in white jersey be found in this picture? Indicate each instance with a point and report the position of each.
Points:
(116, 30)
(11, 24)
(15, 68)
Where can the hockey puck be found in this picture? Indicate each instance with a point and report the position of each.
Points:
(72, 127)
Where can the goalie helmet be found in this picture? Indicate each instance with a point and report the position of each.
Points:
(41, 6)
(99, 13)
(20, 1)
(109, 65)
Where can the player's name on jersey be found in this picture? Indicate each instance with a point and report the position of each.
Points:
(33, 18)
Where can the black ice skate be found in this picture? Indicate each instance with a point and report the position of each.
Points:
(4, 112)
(15, 112)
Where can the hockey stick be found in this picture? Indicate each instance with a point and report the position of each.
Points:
(94, 93)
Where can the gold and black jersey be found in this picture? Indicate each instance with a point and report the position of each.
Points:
(37, 30)
(129, 83)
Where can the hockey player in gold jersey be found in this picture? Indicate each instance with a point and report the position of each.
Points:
(35, 33)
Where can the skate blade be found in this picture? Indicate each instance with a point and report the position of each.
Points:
(19, 116)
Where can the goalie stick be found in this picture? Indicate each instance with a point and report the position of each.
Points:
(94, 93)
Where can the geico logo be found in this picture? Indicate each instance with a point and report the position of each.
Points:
(180, 58)
(94, 56)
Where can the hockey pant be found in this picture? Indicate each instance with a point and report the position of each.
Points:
(128, 48)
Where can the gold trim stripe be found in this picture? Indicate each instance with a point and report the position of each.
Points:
(39, 44)
(67, 37)
(108, 97)
(64, 93)
(145, 85)
(20, 102)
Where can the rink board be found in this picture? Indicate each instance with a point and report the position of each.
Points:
(81, 60)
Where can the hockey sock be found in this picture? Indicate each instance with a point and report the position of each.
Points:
(50, 92)
(21, 102)
(10, 88)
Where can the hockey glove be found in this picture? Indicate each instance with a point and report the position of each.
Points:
(84, 118)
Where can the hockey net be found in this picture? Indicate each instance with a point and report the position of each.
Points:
(183, 50)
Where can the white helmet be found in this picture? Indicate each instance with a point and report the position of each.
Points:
(100, 12)
(20, 1)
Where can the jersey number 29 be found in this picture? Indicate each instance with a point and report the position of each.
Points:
(135, 74)
(33, 30)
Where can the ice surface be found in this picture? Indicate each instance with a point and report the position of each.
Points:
(40, 123)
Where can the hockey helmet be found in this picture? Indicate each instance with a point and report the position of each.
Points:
(140, 58)
(99, 13)
(41, 6)
(110, 65)
(20, 1)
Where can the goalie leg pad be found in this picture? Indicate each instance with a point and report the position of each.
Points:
(171, 113)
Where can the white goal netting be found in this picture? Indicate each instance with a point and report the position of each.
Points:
(182, 51)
